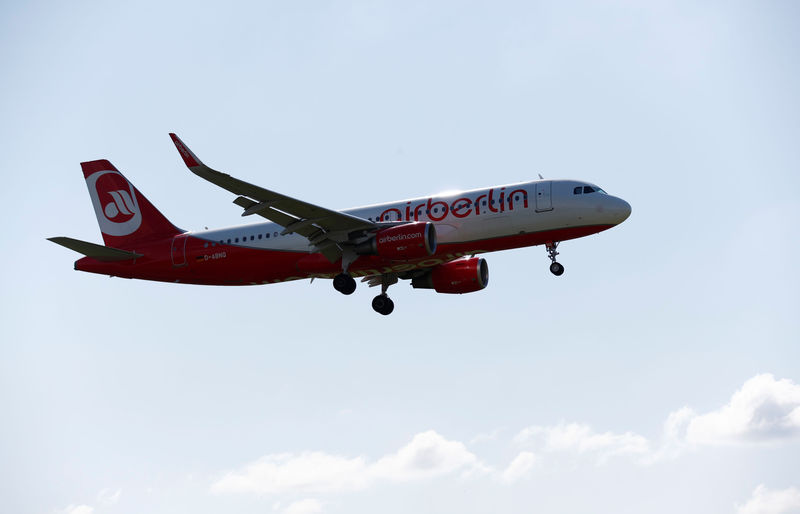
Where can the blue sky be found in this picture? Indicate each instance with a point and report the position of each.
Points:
(661, 373)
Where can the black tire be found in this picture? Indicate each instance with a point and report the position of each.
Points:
(382, 304)
(344, 283)
(557, 269)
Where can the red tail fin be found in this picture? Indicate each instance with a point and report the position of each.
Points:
(125, 216)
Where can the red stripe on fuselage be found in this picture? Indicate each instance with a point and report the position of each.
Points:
(212, 263)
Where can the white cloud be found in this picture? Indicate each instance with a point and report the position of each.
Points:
(766, 501)
(673, 441)
(763, 410)
(428, 455)
(105, 498)
(108, 497)
(78, 509)
(313, 472)
(581, 439)
(307, 506)
(676, 423)
(518, 468)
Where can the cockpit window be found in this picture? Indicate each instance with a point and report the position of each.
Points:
(590, 189)
(578, 190)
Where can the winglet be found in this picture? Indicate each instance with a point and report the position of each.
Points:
(189, 158)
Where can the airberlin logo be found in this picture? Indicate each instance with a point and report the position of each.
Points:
(399, 237)
(115, 203)
(123, 203)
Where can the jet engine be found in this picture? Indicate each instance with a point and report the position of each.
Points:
(461, 276)
(401, 243)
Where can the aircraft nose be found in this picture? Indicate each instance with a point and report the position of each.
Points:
(620, 209)
(624, 210)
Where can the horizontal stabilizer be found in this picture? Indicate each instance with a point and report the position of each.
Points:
(95, 251)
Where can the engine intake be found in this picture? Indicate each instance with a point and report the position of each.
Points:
(401, 243)
(461, 276)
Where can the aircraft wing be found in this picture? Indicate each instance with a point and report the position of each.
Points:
(324, 228)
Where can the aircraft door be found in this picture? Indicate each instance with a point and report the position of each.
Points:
(544, 201)
(179, 250)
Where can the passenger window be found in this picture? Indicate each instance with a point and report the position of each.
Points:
(205, 245)
(229, 241)
(267, 236)
(237, 239)
(259, 236)
(252, 238)
(577, 190)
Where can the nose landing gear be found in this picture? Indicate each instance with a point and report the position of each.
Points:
(555, 268)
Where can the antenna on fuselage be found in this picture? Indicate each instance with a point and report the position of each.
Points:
(540, 176)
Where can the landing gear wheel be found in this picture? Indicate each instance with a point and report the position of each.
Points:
(382, 304)
(557, 269)
(344, 283)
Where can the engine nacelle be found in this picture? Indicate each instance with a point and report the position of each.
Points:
(402, 243)
(460, 276)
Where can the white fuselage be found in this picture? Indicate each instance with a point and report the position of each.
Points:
(464, 216)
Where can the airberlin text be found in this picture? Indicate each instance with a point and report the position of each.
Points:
(460, 207)
(399, 237)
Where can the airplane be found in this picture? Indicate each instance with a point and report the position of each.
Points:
(432, 241)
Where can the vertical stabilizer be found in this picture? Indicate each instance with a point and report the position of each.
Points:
(125, 216)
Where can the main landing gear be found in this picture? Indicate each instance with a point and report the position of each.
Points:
(344, 283)
(382, 304)
(555, 268)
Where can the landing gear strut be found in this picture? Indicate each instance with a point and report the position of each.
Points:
(555, 268)
(344, 283)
